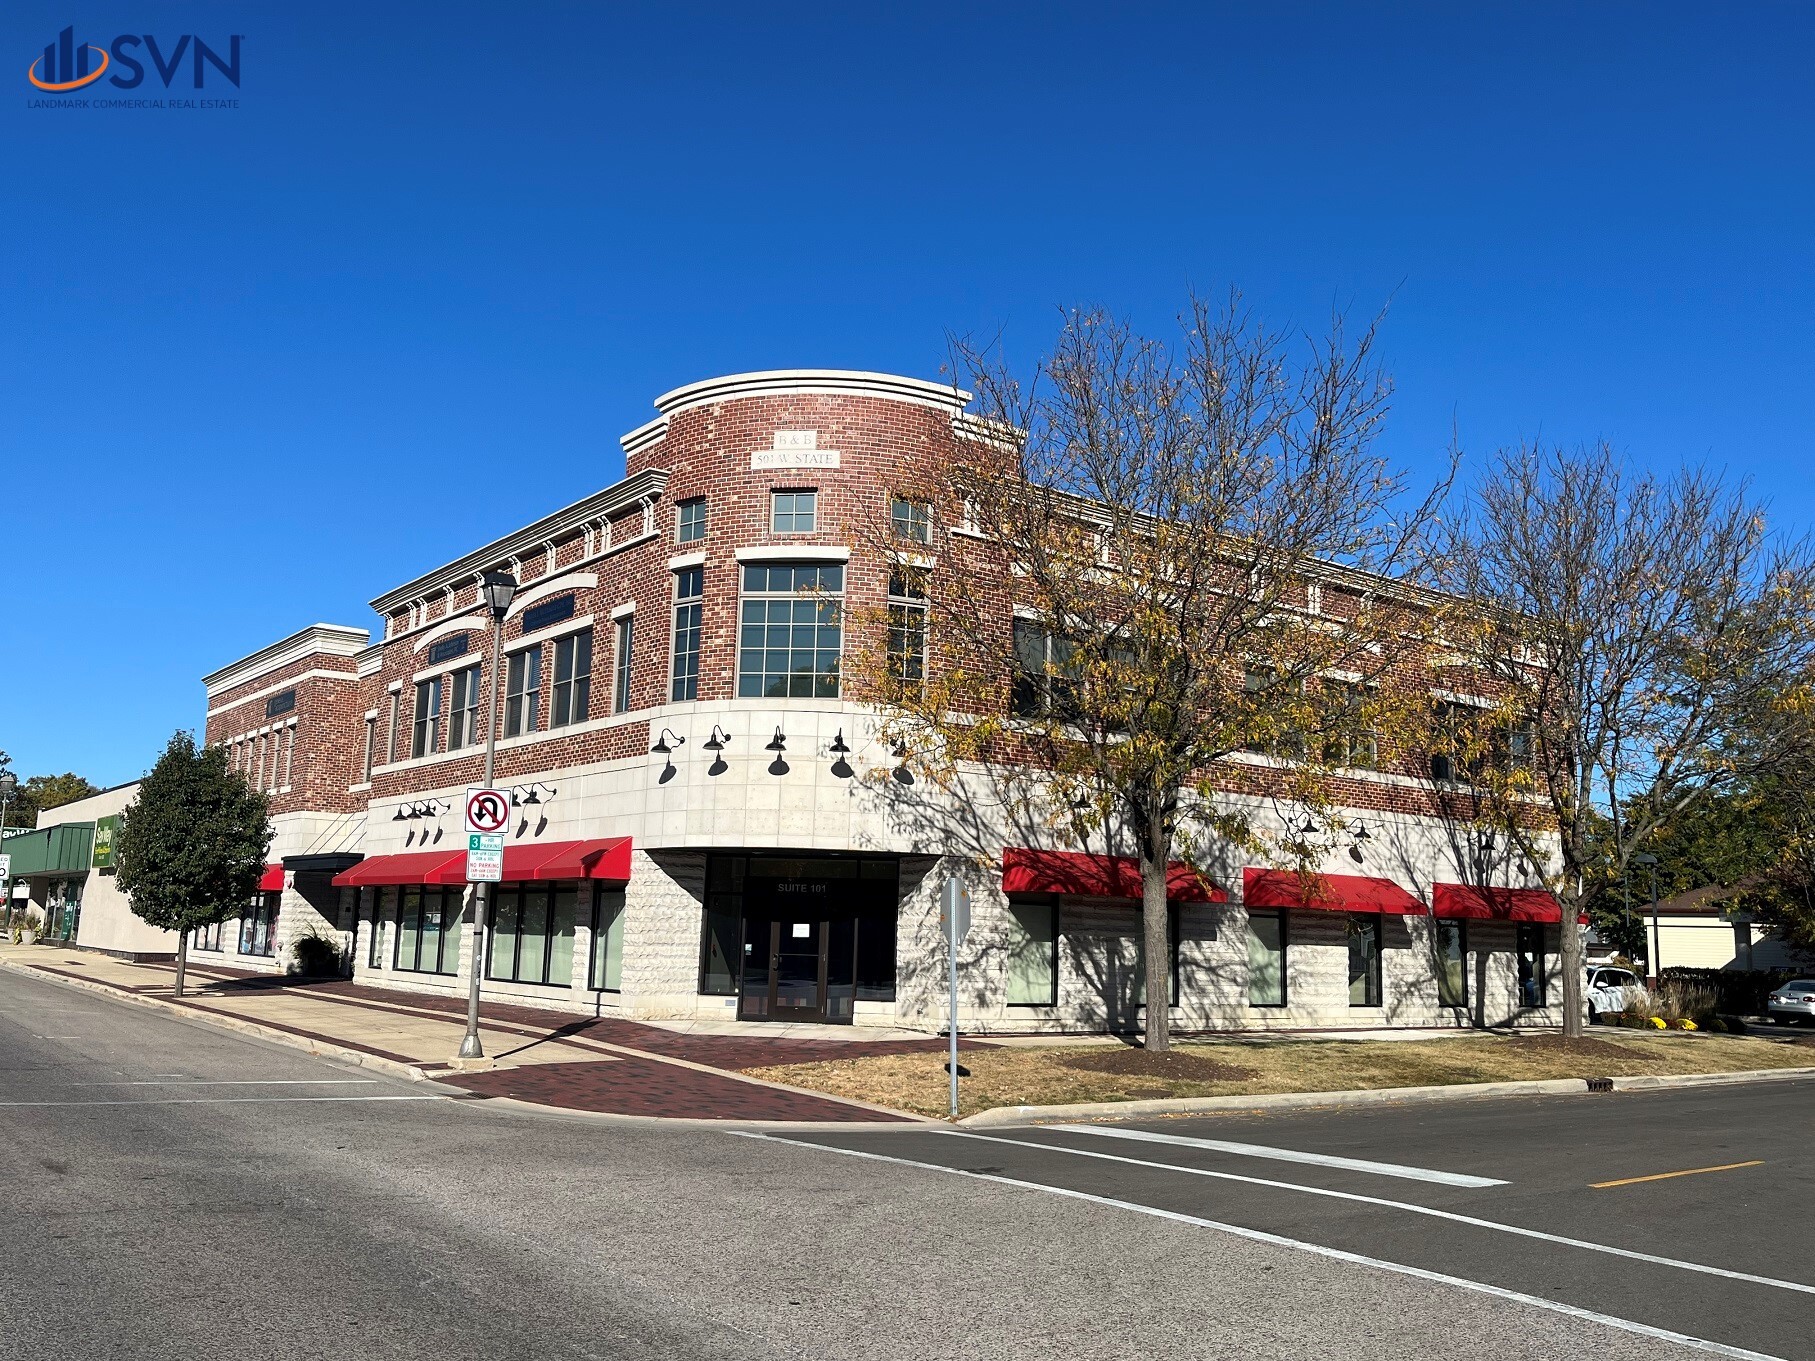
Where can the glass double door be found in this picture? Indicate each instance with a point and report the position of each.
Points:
(797, 967)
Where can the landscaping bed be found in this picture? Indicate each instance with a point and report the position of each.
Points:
(1062, 1075)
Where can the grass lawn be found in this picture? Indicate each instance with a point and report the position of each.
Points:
(1051, 1076)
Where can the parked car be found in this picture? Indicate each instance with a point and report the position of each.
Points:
(1607, 989)
(1794, 1002)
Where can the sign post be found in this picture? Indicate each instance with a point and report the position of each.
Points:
(956, 915)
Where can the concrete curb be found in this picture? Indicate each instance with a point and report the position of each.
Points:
(320, 1048)
(1002, 1116)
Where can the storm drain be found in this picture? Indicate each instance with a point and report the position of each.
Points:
(1599, 1084)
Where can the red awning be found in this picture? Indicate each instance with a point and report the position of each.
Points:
(272, 880)
(1098, 876)
(413, 868)
(1495, 904)
(607, 859)
(1332, 893)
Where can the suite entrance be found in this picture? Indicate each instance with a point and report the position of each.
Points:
(814, 935)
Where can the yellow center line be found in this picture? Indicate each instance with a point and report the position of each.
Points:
(1665, 1176)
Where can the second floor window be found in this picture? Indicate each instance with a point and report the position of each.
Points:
(689, 603)
(573, 679)
(426, 738)
(522, 692)
(1349, 740)
(793, 512)
(790, 634)
(1044, 674)
(620, 698)
(911, 523)
(690, 520)
(463, 712)
(907, 628)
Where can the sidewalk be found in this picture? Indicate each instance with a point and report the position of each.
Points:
(549, 1058)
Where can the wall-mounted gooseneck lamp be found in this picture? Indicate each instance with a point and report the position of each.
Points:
(841, 767)
(717, 741)
(666, 742)
(778, 744)
(901, 774)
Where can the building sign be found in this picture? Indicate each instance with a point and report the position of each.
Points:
(281, 703)
(104, 834)
(449, 648)
(6, 868)
(794, 449)
(548, 612)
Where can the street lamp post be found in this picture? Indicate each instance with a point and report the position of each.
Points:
(497, 588)
(1655, 965)
(9, 786)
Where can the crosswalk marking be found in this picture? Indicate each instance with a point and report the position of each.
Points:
(1284, 1155)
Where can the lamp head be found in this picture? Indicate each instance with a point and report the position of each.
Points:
(838, 747)
(498, 588)
(717, 741)
(777, 743)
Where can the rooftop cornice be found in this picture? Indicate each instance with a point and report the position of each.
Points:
(642, 486)
(333, 640)
(812, 382)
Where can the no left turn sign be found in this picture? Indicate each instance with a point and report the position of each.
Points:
(487, 810)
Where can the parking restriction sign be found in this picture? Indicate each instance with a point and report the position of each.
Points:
(487, 811)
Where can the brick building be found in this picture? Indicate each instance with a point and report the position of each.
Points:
(692, 834)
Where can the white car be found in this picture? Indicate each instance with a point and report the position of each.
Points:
(1794, 1002)
(1607, 989)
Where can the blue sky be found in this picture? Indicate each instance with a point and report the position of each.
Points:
(266, 363)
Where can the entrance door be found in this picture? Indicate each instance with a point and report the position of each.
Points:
(784, 970)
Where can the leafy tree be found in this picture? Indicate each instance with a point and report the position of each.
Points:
(1151, 557)
(191, 848)
(1651, 644)
(39, 793)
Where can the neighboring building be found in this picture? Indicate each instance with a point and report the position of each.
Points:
(66, 867)
(1706, 937)
(693, 835)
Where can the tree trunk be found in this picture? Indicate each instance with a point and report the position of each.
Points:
(182, 959)
(1156, 940)
(1575, 972)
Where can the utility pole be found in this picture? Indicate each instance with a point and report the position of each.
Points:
(1655, 965)
(497, 588)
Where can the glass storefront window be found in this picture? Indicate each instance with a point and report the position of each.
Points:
(1364, 959)
(606, 973)
(532, 938)
(428, 929)
(1033, 954)
(1452, 964)
(258, 928)
(1266, 959)
(1534, 968)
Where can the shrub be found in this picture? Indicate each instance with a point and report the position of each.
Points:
(1681, 999)
(316, 956)
(1736, 993)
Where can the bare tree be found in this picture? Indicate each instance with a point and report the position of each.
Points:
(1649, 638)
(1149, 557)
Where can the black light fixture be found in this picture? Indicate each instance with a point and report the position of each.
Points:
(717, 741)
(415, 811)
(400, 816)
(1361, 831)
(666, 742)
(777, 743)
(497, 588)
(901, 774)
(516, 798)
(838, 747)
(532, 796)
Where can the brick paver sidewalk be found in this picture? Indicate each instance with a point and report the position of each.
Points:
(551, 1058)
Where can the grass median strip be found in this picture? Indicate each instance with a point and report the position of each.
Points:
(1064, 1074)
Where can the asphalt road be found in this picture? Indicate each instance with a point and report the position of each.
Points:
(169, 1190)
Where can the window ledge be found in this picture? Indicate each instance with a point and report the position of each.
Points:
(806, 552)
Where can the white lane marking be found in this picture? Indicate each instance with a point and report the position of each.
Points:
(1402, 1205)
(180, 1081)
(1299, 1245)
(1285, 1155)
(221, 1100)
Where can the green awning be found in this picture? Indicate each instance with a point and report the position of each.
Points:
(51, 850)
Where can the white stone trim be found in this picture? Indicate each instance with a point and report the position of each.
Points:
(567, 581)
(460, 623)
(782, 552)
(682, 561)
(624, 611)
(512, 646)
(809, 382)
(333, 640)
